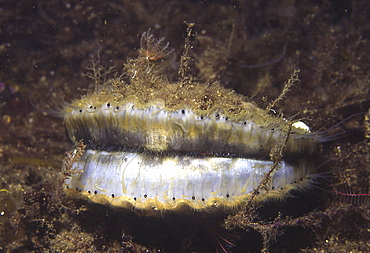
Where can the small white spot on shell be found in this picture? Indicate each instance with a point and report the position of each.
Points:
(301, 125)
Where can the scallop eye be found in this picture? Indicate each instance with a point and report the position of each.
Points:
(91, 108)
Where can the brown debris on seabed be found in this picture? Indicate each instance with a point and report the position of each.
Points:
(46, 45)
